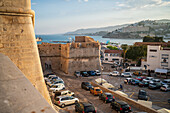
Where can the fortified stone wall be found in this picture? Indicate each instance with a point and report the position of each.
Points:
(17, 41)
(76, 56)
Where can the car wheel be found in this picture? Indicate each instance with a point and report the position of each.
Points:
(63, 105)
(76, 101)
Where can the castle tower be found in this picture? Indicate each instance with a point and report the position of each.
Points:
(17, 41)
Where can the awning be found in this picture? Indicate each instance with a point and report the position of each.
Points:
(157, 70)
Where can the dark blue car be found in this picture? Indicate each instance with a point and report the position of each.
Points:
(91, 73)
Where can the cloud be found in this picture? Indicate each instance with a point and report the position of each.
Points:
(83, 0)
(139, 4)
(34, 3)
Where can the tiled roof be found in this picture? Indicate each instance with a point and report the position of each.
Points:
(114, 51)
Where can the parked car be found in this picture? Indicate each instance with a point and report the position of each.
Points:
(114, 73)
(98, 73)
(142, 95)
(165, 82)
(86, 85)
(77, 73)
(62, 101)
(96, 90)
(107, 97)
(57, 87)
(148, 79)
(126, 74)
(63, 93)
(154, 85)
(53, 76)
(120, 106)
(59, 82)
(137, 73)
(155, 81)
(91, 73)
(128, 80)
(144, 83)
(140, 78)
(85, 107)
(84, 73)
(165, 88)
(134, 82)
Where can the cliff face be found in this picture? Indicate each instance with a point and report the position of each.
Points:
(17, 41)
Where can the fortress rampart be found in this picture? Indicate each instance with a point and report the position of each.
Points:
(17, 41)
(81, 55)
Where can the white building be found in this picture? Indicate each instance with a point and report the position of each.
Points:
(113, 55)
(158, 57)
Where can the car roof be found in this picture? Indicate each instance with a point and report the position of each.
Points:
(64, 96)
(122, 102)
(86, 104)
(107, 93)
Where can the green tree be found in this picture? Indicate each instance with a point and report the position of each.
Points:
(136, 52)
(112, 48)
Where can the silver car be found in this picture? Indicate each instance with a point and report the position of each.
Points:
(165, 88)
(62, 101)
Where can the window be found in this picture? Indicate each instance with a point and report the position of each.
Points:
(106, 58)
(165, 55)
(152, 50)
(106, 54)
(151, 56)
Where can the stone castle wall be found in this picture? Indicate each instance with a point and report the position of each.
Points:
(76, 56)
(17, 41)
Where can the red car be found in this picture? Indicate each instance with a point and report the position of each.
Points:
(140, 78)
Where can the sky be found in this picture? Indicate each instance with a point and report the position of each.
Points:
(61, 16)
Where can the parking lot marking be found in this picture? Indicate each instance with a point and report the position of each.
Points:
(132, 94)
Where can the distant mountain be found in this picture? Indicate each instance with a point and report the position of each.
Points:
(94, 30)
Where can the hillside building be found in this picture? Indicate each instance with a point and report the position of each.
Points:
(158, 57)
(113, 55)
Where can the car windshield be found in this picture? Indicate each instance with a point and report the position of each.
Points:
(85, 72)
(143, 93)
(114, 72)
(125, 106)
(109, 95)
(153, 83)
(126, 73)
(89, 109)
(87, 83)
(77, 72)
(98, 89)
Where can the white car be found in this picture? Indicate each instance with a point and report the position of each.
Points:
(126, 74)
(65, 100)
(114, 73)
(98, 73)
(148, 79)
(57, 87)
(165, 88)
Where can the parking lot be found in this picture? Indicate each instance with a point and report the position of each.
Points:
(74, 84)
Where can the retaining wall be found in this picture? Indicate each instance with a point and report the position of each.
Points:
(126, 99)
